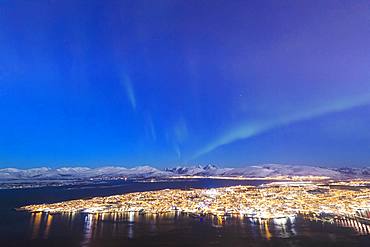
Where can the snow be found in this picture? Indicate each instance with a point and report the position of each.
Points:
(107, 172)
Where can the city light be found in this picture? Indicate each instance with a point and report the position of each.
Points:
(274, 201)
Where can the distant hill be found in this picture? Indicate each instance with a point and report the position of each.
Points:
(109, 172)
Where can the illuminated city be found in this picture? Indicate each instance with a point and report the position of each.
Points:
(270, 202)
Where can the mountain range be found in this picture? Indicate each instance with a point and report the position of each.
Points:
(110, 172)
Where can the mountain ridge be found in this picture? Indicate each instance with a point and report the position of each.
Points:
(265, 170)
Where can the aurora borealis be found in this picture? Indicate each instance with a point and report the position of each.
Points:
(182, 82)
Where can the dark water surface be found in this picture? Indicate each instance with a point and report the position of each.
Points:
(130, 229)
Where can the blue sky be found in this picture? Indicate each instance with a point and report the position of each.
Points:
(174, 82)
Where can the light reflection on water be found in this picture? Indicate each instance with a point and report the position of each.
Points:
(49, 219)
(88, 229)
(130, 225)
(350, 223)
(36, 223)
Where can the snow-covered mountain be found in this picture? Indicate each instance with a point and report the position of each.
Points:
(364, 171)
(208, 170)
(73, 173)
(269, 170)
(274, 170)
(110, 172)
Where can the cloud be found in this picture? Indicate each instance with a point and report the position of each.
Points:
(247, 130)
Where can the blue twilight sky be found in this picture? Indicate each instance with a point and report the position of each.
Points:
(169, 82)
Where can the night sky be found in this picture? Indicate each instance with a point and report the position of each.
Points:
(170, 82)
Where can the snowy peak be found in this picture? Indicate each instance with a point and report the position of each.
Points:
(210, 167)
(365, 171)
(73, 173)
(271, 170)
(275, 170)
(113, 172)
(208, 170)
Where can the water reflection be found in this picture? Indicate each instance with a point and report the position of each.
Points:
(49, 219)
(36, 223)
(361, 228)
(40, 224)
(91, 227)
(359, 225)
(131, 220)
(89, 221)
(267, 231)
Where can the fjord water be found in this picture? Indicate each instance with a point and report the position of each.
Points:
(132, 229)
